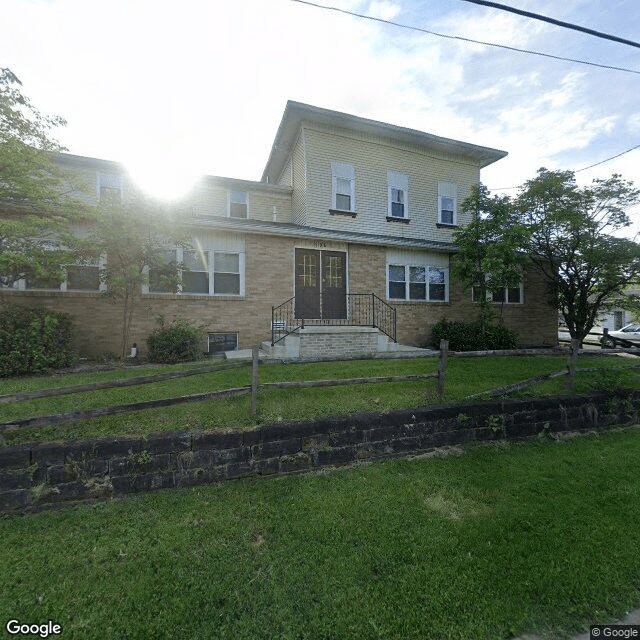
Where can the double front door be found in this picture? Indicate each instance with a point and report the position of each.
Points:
(321, 284)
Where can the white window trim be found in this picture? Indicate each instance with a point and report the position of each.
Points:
(407, 270)
(341, 170)
(247, 203)
(210, 272)
(448, 190)
(399, 181)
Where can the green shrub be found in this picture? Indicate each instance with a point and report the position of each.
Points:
(34, 340)
(177, 342)
(479, 335)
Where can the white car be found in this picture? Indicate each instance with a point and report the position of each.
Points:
(626, 337)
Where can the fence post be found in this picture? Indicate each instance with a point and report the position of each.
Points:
(571, 365)
(605, 338)
(255, 350)
(442, 370)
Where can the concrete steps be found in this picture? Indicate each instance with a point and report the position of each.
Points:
(319, 342)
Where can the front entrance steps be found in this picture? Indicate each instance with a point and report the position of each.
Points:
(328, 342)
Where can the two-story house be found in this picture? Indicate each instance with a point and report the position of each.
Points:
(351, 224)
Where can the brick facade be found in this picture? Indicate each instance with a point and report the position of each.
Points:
(269, 277)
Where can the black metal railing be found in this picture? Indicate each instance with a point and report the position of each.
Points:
(355, 309)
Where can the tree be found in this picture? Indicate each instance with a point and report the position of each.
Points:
(491, 248)
(35, 207)
(133, 237)
(572, 242)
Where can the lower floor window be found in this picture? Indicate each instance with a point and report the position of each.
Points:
(408, 282)
(508, 295)
(198, 273)
(79, 277)
(83, 278)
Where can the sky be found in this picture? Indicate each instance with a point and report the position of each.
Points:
(175, 90)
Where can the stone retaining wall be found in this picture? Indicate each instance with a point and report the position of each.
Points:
(36, 476)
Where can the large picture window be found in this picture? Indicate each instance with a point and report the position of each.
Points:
(198, 272)
(407, 282)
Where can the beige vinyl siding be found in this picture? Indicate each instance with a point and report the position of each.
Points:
(372, 159)
(299, 182)
(261, 206)
(209, 200)
(286, 177)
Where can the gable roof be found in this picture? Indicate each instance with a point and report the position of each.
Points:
(296, 112)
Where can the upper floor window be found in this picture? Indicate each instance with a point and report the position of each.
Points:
(343, 187)
(398, 190)
(238, 204)
(447, 203)
(110, 186)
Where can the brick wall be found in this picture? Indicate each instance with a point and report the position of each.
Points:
(345, 342)
(98, 322)
(269, 280)
(39, 475)
(535, 321)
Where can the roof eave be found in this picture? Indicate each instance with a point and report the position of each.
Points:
(296, 113)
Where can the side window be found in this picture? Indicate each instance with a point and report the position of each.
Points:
(447, 203)
(343, 196)
(398, 192)
(508, 295)
(238, 204)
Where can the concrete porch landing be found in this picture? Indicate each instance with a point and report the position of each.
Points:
(331, 342)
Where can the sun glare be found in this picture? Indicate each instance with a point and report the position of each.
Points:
(162, 180)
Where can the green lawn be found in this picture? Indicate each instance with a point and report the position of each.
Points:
(465, 376)
(502, 540)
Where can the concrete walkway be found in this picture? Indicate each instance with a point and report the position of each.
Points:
(631, 618)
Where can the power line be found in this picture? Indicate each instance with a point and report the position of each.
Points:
(461, 38)
(560, 23)
(583, 168)
(608, 159)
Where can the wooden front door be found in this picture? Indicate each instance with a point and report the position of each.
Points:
(321, 284)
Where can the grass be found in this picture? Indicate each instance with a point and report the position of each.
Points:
(67, 378)
(503, 540)
(465, 376)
